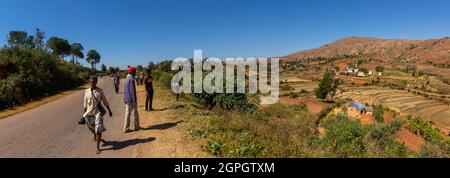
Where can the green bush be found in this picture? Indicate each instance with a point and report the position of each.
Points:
(250, 151)
(378, 113)
(215, 147)
(286, 87)
(166, 79)
(344, 137)
(34, 73)
(426, 129)
(383, 137)
(430, 151)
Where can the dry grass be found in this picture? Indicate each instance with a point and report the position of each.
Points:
(168, 124)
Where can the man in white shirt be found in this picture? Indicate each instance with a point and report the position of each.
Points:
(92, 104)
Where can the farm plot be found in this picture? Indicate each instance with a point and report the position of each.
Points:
(403, 101)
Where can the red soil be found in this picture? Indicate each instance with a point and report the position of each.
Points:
(411, 140)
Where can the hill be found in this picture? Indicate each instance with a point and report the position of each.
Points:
(435, 51)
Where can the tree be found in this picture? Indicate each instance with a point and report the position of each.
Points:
(336, 86)
(104, 69)
(112, 70)
(379, 69)
(76, 50)
(20, 38)
(379, 113)
(365, 70)
(93, 58)
(326, 85)
(39, 38)
(337, 68)
(151, 66)
(59, 46)
(140, 68)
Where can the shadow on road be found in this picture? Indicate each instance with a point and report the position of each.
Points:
(163, 126)
(115, 145)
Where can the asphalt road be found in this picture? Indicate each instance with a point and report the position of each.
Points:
(52, 130)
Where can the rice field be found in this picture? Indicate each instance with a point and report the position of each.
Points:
(403, 101)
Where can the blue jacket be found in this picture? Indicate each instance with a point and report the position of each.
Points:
(130, 91)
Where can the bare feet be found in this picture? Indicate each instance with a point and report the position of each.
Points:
(98, 152)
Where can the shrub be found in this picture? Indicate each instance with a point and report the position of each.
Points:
(34, 73)
(344, 137)
(215, 147)
(286, 87)
(425, 129)
(166, 79)
(379, 113)
(430, 151)
(250, 151)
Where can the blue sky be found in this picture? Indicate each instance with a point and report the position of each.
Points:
(131, 32)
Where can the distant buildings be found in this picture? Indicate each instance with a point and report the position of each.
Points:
(351, 70)
(361, 74)
(357, 72)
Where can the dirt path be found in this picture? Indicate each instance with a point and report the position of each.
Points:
(168, 126)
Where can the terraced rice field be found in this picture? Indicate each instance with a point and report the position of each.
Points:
(402, 101)
(308, 86)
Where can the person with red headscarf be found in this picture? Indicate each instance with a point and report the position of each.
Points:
(130, 101)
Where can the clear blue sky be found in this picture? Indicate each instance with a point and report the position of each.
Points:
(136, 31)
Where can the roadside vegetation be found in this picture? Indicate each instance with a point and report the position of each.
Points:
(293, 131)
(32, 68)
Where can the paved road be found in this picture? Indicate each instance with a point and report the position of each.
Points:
(51, 130)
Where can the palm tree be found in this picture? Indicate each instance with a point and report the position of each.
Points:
(93, 58)
(76, 50)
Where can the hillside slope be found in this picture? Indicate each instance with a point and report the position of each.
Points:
(436, 51)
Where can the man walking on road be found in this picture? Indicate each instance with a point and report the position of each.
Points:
(130, 100)
(94, 111)
(148, 82)
(117, 82)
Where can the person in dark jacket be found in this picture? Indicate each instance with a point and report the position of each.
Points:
(148, 82)
(116, 82)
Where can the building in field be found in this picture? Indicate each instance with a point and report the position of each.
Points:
(361, 74)
(355, 109)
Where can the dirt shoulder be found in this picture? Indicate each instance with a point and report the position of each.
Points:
(34, 104)
(168, 126)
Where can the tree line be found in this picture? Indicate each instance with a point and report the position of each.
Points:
(32, 67)
(59, 46)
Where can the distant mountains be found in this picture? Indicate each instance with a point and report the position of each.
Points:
(435, 51)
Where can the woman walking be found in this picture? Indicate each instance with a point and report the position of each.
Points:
(94, 111)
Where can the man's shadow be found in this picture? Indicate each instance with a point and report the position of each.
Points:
(163, 126)
(115, 145)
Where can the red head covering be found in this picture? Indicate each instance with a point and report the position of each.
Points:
(131, 70)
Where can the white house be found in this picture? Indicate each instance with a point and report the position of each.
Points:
(361, 74)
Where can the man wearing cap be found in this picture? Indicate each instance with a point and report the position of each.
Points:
(92, 104)
(130, 101)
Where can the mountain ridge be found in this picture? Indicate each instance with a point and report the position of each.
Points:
(436, 51)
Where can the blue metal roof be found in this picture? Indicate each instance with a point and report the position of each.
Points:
(357, 105)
